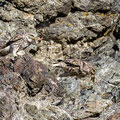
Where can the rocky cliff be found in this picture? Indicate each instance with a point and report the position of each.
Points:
(31, 87)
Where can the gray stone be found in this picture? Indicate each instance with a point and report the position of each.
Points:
(93, 5)
(67, 29)
(76, 27)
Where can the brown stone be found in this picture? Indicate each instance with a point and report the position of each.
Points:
(116, 116)
(35, 74)
(5, 66)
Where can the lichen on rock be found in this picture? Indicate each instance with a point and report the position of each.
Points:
(31, 87)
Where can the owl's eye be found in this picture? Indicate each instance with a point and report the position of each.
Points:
(32, 37)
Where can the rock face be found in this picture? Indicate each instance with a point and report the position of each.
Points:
(93, 5)
(35, 74)
(32, 73)
(9, 84)
(31, 88)
(77, 26)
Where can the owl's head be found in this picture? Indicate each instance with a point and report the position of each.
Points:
(32, 38)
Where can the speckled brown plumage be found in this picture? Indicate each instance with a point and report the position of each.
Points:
(77, 67)
(18, 43)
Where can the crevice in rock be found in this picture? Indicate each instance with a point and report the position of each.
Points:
(2, 4)
(115, 47)
(103, 32)
(116, 33)
(72, 41)
(33, 52)
(96, 32)
(99, 35)
(102, 11)
(31, 91)
(42, 25)
(4, 20)
(18, 8)
(95, 115)
(50, 20)
(75, 9)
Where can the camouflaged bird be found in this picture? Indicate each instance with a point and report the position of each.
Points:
(18, 43)
(77, 67)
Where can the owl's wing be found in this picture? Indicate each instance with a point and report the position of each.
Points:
(14, 39)
(5, 51)
(73, 62)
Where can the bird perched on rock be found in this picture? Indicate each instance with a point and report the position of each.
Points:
(18, 43)
(77, 67)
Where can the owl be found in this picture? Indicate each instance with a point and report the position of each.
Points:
(18, 43)
(77, 68)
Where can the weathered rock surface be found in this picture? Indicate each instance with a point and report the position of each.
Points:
(35, 74)
(9, 85)
(77, 26)
(93, 5)
(43, 9)
(31, 88)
